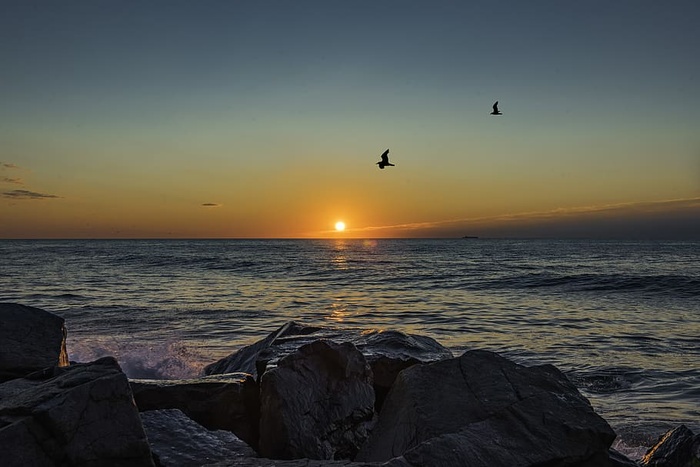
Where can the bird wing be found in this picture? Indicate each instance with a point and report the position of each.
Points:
(495, 106)
(385, 156)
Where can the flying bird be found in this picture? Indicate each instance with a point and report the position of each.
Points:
(385, 160)
(495, 109)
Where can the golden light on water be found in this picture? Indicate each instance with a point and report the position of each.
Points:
(340, 226)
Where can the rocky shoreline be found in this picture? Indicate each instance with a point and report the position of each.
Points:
(302, 396)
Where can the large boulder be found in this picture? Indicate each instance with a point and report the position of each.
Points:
(83, 414)
(489, 410)
(387, 352)
(30, 339)
(317, 403)
(678, 447)
(178, 441)
(219, 402)
(390, 352)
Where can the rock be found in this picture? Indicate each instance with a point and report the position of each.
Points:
(489, 410)
(675, 448)
(617, 459)
(612, 458)
(388, 352)
(262, 462)
(178, 441)
(30, 339)
(82, 414)
(220, 402)
(317, 403)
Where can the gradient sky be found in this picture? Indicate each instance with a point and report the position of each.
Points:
(266, 118)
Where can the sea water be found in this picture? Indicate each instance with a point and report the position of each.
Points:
(621, 319)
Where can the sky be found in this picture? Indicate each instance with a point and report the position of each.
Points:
(265, 119)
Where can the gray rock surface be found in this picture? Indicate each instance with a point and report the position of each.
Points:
(30, 339)
(83, 414)
(317, 403)
(678, 447)
(220, 402)
(178, 441)
(488, 410)
(387, 352)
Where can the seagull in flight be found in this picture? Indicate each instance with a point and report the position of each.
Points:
(495, 109)
(385, 160)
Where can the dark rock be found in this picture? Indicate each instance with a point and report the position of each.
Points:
(489, 410)
(675, 448)
(83, 414)
(387, 352)
(317, 403)
(30, 339)
(617, 459)
(220, 402)
(262, 462)
(612, 458)
(178, 441)
(390, 352)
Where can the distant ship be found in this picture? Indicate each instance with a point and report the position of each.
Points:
(469, 236)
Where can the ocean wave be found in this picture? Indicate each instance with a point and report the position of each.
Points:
(606, 381)
(142, 360)
(661, 284)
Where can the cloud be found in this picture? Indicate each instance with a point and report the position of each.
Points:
(16, 181)
(671, 218)
(211, 205)
(26, 194)
(8, 165)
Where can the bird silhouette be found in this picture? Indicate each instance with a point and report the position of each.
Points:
(495, 109)
(385, 160)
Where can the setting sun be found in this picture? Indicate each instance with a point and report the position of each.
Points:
(340, 226)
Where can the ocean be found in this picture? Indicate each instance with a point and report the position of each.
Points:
(621, 319)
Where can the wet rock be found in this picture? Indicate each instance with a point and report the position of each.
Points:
(675, 448)
(489, 410)
(178, 441)
(387, 352)
(317, 403)
(30, 339)
(82, 414)
(220, 402)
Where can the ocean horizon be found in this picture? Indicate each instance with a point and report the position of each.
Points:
(620, 318)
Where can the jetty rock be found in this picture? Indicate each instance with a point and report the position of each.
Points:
(318, 403)
(31, 339)
(219, 402)
(387, 352)
(678, 447)
(308, 396)
(178, 441)
(82, 414)
(488, 410)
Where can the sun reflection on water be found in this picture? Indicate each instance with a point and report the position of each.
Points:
(338, 311)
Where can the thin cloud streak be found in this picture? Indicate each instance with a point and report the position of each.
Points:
(9, 165)
(26, 194)
(637, 207)
(15, 181)
(211, 205)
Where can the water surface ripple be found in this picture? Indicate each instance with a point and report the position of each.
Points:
(622, 319)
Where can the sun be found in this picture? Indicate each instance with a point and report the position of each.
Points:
(339, 226)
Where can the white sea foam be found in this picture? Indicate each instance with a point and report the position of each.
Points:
(138, 360)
